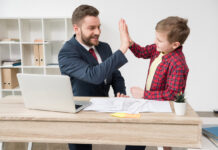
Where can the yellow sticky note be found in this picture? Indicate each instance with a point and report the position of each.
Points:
(125, 115)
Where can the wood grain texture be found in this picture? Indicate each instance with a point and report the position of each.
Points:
(18, 124)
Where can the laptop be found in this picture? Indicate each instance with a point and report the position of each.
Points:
(49, 92)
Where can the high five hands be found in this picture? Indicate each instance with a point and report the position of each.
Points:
(125, 39)
(126, 42)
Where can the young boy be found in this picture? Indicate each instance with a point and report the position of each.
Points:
(168, 70)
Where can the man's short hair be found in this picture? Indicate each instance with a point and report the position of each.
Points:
(176, 27)
(82, 11)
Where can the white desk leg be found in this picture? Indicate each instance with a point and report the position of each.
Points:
(159, 148)
(29, 146)
(1, 146)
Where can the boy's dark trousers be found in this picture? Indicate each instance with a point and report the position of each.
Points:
(80, 146)
(89, 147)
(135, 147)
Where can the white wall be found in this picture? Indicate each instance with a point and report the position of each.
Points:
(200, 49)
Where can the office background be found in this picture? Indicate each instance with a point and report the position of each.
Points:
(200, 49)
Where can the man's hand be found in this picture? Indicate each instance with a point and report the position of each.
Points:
(137, 92)
(121, 95)
(124, 36)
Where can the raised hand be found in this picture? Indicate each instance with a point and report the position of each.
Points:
(124, 36)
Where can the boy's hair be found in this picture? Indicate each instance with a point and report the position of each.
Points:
(176, 27)
(82, 11)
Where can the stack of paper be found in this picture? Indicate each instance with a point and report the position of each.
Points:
(128, 105)
(212, 134)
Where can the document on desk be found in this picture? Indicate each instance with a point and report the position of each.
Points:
(128, 105)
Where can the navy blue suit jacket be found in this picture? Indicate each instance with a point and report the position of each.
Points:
(86, 75)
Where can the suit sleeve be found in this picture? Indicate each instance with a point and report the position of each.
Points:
(118, 83)
(73, 65)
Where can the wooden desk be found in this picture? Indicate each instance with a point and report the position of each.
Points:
(18, 124)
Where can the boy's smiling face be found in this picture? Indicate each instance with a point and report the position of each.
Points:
(162, 43)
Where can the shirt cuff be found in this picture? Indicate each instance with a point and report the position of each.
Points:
(133, 45)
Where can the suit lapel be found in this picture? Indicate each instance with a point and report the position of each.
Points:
(89, 57)
(85, 54)
(101, 52)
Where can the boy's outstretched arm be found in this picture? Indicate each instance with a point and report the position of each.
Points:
(125, 39)
(143, 52)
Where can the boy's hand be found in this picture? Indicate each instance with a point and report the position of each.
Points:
(137, 92)
(121, 95)
(124, 36)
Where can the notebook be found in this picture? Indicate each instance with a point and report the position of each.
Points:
(211, 132)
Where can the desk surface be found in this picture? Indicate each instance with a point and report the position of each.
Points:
(18, 124)
(13, 109)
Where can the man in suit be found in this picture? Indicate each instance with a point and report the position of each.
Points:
(90, 63)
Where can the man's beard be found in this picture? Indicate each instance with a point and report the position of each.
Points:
(87, 40)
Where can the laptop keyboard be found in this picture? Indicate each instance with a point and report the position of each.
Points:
(77, 106)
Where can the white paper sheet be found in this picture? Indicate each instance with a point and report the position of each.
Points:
(128, 105)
